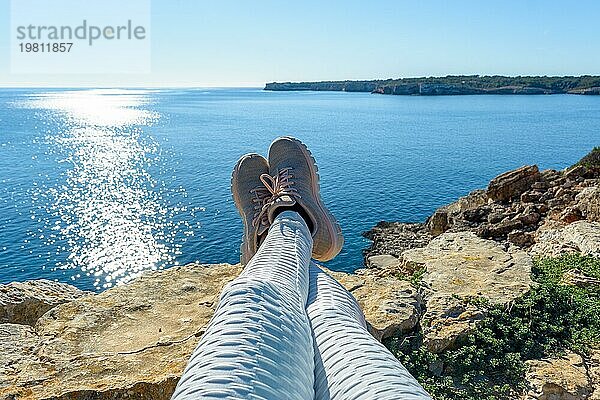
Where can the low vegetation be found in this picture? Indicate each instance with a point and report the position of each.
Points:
(553, 317)
(592, 159)
(556, 83)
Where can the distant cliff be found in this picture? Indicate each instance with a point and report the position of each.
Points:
(341, 86)
(455, 85)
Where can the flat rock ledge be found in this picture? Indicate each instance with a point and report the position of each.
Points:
(392, 306)
(578, 237)
(133, 341)
(460, 267)
(25, 302)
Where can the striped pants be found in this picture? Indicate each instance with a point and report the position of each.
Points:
(285, 330)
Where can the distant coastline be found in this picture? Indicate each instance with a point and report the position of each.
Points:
(455, 85)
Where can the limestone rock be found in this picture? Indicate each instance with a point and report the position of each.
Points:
(588, 201)
(520, 238)
(393, 238)
(132, 341)
(563, 378)
(385, 261)
(580, 236)
(531, 196)
(391, 305)
(18, 344)
(500, 230)
(439, 221)
(25, 302)
(570, 214)
(462, 265)
(594, 373)
(473, 200)
(512, 183)
(575, 277)
(467, 206)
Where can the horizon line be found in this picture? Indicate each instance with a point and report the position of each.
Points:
(256, 85)
(131, 87)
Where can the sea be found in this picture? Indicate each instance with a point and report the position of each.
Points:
(98, 186)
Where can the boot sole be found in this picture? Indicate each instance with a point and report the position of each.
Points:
(237, 201)
(333, 227)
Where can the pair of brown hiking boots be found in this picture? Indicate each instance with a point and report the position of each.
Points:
(262, 188)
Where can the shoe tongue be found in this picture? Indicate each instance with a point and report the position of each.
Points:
(281, 201)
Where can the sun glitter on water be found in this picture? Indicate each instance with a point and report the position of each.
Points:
(109, 213)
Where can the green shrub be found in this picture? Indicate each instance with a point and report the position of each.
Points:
(489, 364)
(414, 278)
(592, 159)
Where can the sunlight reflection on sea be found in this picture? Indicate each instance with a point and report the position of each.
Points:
(109, 209)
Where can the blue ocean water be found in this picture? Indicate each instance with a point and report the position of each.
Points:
(97, 186)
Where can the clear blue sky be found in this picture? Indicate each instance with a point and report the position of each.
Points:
(248, 43)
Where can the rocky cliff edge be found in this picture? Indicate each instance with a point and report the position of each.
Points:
(133, 341)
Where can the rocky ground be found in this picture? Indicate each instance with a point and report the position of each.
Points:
(133, 341)
(439, 281)
(483, 246)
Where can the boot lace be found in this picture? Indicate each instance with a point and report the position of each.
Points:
(260, 197)
(276, 186)
(280, 184)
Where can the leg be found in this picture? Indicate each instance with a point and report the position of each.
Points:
(259, 343)
(349, 362)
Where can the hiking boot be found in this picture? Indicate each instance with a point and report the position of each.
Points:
(294, 184)
(250, 196)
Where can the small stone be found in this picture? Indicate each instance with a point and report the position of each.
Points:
(576, 172)
(545, 197)
(438, 222)
(555, 203)
(531, 196)
(495, 217)
(520, 238)
(385, 261)
(500, 230)
(395, 237)
(561, 192)
(577, 278)
(530, 218)
(570, 214)
(558, 181)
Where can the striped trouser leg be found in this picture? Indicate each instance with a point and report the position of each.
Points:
(350, 364)
(258, 344)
